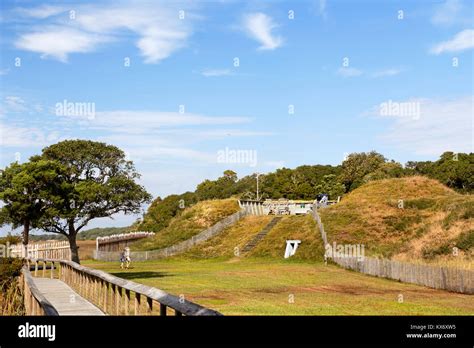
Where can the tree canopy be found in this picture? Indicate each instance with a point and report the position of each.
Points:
(70, 184)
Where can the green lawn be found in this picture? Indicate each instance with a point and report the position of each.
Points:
(264, 286)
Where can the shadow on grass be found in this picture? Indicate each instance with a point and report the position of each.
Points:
(142, 275)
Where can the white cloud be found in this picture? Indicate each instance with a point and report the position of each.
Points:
(349, 72)
(59, 42)
(130, 121)
(158, 29)
(216, 72)
(41, 12)
(15, 136)
(156, 136)
(260, 26)
(13, 104)
(387, 72)
(451, 12)
(442, 126)
(462, 41)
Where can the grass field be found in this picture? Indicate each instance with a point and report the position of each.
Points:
(264, 286)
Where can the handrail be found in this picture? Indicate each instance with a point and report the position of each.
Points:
(181, 306)
(35, 302)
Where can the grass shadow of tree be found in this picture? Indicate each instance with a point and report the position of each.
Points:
(142, 275)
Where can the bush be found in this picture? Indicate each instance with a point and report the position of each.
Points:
(11, 297)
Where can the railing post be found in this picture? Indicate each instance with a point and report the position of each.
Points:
(52, 269)
(95, 291)
(118, 298)
(162, 310)
(137, 304)
(105, 291)
(127, 301)
(44, 268)
(36, 268)
(113, 298)
(149, 305)
(86, 286)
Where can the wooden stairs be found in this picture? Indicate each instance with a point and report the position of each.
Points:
(250, 245)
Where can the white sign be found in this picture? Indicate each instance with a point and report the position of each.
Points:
(291, 246)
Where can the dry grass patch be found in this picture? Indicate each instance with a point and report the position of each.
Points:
(192, 221)
(236, 236)
(428, 227)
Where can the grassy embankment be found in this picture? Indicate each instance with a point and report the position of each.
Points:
(433, 222)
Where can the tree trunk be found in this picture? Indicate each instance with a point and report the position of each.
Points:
(73, 244)
(26, 234)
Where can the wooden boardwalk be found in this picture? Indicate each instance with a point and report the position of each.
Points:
(64, 299)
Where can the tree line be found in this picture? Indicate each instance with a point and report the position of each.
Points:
(455, 170)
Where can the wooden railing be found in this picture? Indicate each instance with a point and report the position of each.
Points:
(34, 301)
(117, 296)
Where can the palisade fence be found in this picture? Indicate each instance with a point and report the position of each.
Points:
(117, 242)
(43, 250)
(438, 277)
(177, 248)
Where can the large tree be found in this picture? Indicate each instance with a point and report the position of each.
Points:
(70, 184)
(27, 191)
(98, 182)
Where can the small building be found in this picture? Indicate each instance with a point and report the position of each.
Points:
(277, 207)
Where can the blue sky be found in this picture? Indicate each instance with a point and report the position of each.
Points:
(335, 63)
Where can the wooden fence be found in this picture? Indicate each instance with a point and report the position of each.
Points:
(51, 250)
(117, 296)
(177, 248)
(117, 242)
(446, 278)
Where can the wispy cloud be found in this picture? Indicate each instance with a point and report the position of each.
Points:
(461, 41)
(41, 12)
(386, 72)
(13, 103)
(24, 136)
(322, 8)
(260, 26)
(451, 12)
(441, 126)
(216, 72)
(158, 29)
(129, 121)
(59, 42)
(349, 72)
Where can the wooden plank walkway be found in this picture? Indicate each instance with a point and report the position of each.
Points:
(64, 299)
